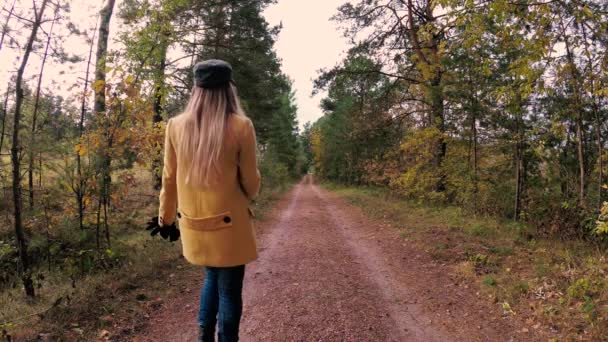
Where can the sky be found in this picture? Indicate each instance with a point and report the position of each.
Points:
(58, 78)
(308, 42)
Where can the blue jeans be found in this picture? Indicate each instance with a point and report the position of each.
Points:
(221, 303)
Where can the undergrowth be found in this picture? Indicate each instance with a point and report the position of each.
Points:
(98, 291)
(559, 285)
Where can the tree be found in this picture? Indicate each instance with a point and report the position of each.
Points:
(408, 44)
(5, 28)
(45, 55)
(146, 54)
(359, 118)
(4, 116)
(495, 106)
(16, 150)
(80, 186)
(99, 109)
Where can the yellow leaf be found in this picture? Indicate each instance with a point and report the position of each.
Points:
(80, 149)
(98, 85)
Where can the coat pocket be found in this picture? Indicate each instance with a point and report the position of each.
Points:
(221, 221)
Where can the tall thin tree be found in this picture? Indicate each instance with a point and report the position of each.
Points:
(4, 115)
(100, 105)
(26, 276)
(79, 189)
(5, 27)
(30, 170)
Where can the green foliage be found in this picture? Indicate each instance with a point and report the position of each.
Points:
(580, 289)
(522, 274)
(496, 107)
(480, 230)
(283, 142)
(305, 142)
(602, 221)
(502, 250)
(350, 139)
(489, 281)
(521, 287)
(421, 175)
(274, 173)
(484, 264)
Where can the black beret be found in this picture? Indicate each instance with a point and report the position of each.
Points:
(212, 73)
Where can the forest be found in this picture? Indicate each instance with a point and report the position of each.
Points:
(484, 121)
(498, 107)
(479, 129)
(81, 167)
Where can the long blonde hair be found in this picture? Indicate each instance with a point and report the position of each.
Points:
(206, 130)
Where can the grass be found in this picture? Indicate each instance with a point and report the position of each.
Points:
(135, 275)
(561, 285)
(71, 305)
(489, 281)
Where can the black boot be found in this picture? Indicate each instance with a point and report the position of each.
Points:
(206, 334)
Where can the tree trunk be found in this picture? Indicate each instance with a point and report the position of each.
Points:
(4, 115)
(100, 93)
(598, 122)
(40, 170)
(563, 172)
(5, 28)
(600, 151)
(578, 108)
(30, 170)
(102, 51)
(159, 95)
(80, 190)
(220, 17)
(98, 226)
(581, 159)
(438, 121)
(474, 155)
(47, 223)
(518, 184)
(26, 276)
(428, 54)
(105, 220)
(519, 170)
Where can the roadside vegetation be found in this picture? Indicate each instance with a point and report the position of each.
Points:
(559, 285)
(85, 294)
(480, 128)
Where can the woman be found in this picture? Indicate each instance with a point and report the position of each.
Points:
(210, 172)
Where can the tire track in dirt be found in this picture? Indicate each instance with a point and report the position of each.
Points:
(316, 282)
(411, 321)
(328, 273)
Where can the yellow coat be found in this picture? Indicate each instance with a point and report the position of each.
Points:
(215, 222)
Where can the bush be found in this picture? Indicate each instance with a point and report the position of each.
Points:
(564, 220)
(420, 179)
(601, 227)
(581, 288)
(274, 173)
(489, 281)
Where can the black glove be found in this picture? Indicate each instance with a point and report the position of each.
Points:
(166, 232)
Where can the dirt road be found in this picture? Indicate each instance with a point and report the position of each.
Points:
(326, 273)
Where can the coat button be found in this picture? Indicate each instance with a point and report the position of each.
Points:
(227, 219)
